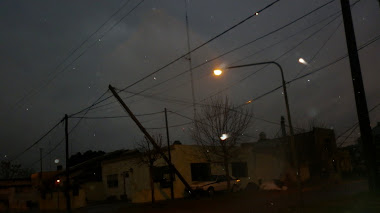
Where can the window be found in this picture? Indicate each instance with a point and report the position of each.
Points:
(200, 171)
(112, 181)
(162, 175)
(239, 169)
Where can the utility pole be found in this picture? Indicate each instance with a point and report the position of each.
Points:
(360, 99)
(141, 127)
(67, 185)
(170, 157)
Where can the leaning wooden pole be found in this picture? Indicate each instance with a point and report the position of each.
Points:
(150, 139)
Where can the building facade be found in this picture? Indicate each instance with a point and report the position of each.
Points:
(124, 177)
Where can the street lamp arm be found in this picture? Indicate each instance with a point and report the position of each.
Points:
(259, 63)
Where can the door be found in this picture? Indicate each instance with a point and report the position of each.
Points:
(127, 185)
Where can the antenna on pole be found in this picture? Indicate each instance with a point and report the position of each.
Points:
(189, 60)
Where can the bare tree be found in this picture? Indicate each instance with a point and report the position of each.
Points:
(218, 129)
(9, 170)
(148, 155)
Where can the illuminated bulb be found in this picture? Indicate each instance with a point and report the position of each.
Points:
(223, 137)
(302, 61)
(218, 72)
(257, 13)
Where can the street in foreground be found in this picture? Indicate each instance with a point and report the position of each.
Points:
(349, 196)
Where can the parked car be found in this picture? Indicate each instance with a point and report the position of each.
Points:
(215, 184)
(272, 185)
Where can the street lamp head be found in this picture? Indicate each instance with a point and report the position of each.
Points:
(223, 137)
(302, 61)
(218, 72)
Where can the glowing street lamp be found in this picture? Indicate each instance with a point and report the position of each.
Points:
(302, 61)
(223, 137)
(218, 72)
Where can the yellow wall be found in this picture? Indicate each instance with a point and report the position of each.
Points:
(268, 166)
(94, 191)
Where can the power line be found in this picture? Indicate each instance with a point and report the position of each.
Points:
(37, 141)
(352, 131)
(334, 14)
(208, 61)
(283, 54)
(117, 116)
(323, 45)
(301, 42)
(295, 79)
(304, 76)
(71, 130)
(240, 46)
(316, 70)
(177, 125)
(335, 61)
(34, 92)
(189, 52)
(232, 50)
(259, 51)
(203, 44)
(354, 126)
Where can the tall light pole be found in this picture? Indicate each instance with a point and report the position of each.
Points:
(293, 148)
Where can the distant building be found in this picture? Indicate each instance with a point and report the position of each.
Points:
(17, 194)
(315, 151)
(357, 158)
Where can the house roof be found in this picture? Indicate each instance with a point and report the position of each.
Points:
(277, 142)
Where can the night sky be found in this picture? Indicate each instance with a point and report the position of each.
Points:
(41, 80)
